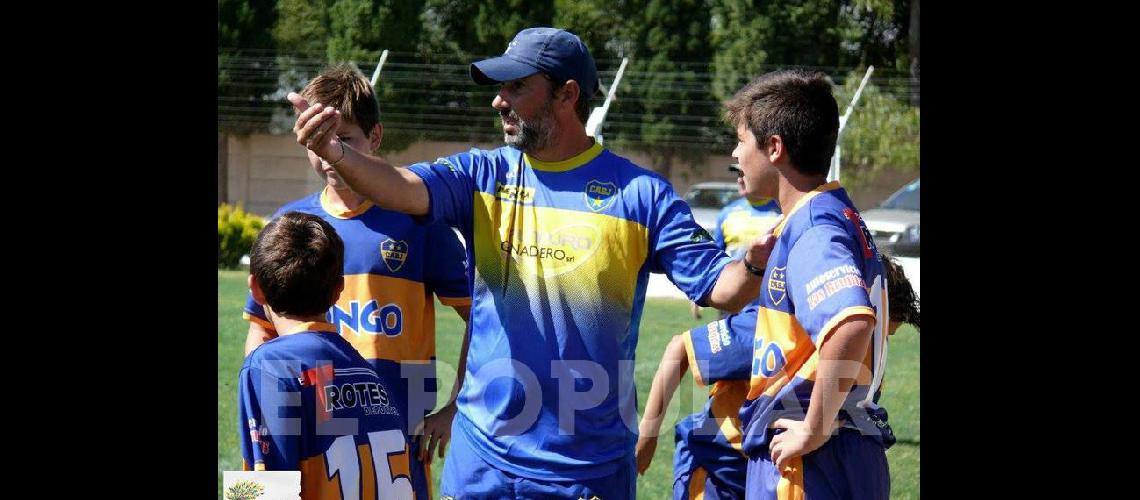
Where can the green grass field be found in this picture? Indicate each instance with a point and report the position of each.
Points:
(662, 319)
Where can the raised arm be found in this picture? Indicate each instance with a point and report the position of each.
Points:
(373, 177)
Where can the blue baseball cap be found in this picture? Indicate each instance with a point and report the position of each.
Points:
(558, 53)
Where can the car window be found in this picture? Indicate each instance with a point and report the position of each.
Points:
(905, 198)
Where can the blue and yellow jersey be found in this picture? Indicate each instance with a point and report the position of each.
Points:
(309, 402)
(823, 269)
(562, 253)
(392, 266)
(742, 221)
(720, 356)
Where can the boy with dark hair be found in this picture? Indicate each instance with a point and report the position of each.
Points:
(810, 424)
(307, 400)
(708, 460)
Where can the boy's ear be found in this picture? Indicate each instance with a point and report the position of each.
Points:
(336, 290)
(775, 149)
(258, 296)
(375, 136)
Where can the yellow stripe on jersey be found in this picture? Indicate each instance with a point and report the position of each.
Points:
(264, 323)
(791, 485)
(311, 326)
(803, 201)
(567, 164)
(727, 398)
(585, 258)
(792, 343)
(341, 213)
(804, 360)
(811, 366)
(697, 484)
(385, 317)
(691, 354)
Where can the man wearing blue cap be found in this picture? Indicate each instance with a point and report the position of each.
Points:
(562, 235)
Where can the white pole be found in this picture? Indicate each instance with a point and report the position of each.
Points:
(598, 115)
(376, 74)
(833, 173)
(855, 99)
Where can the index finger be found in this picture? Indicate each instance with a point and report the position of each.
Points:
(772, 228)
(430, 448)
(782, 423)
(299, 103)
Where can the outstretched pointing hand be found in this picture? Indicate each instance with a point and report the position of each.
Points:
(316, 127)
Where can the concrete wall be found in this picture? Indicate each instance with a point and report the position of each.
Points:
(263, 171)
(266, 171)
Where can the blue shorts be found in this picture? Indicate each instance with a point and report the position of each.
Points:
(467, 476)
(848, 466)
(721, 478)
(699, 484)
(421, 473)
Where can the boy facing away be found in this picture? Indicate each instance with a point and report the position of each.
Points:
(307, 400)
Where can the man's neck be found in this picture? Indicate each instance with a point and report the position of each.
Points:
(567, 145)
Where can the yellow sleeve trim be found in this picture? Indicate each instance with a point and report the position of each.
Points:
(829, 328)
(261, 321)
(688, 340)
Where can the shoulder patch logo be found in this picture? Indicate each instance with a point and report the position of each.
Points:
(865, 238)
(444, 161)
(700, 235)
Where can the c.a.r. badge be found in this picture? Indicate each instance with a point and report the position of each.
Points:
(776, 284)
(394, 253)
(259, 434)
(600, 195)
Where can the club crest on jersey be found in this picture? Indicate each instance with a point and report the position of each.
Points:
(600, 195)
(776, 285)
(394, 253)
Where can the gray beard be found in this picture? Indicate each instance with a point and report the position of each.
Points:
(533, 135)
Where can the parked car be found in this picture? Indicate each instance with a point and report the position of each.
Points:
(894, 224)
(707, 198)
